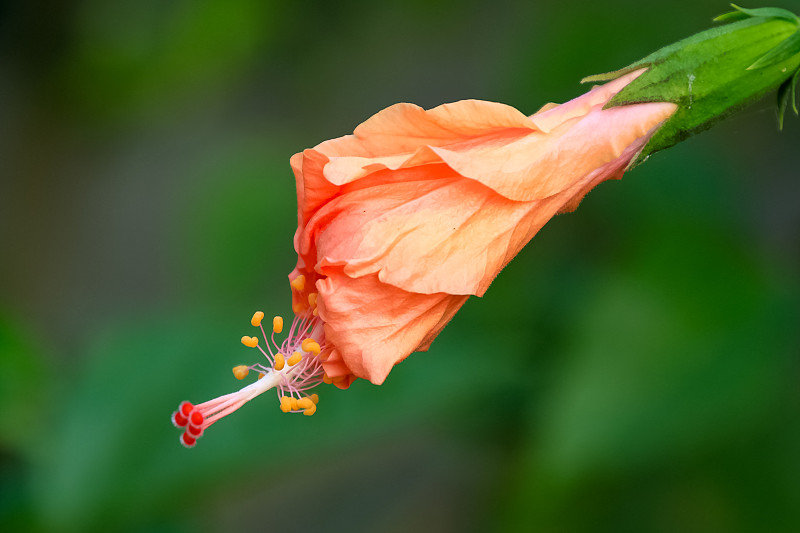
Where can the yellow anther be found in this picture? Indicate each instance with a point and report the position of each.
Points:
(314, 398)
(261, 375)
(250, 342)
(312, 299)
(311, 410)
(310, 345)
(241, 371)
(257, 318)
(304, 403)
(315, 312)
(294, 404)
(277, 324)
(279, 362)
(326, 379)
(299, 283)
(299, 307)
(294, 359)
(286, 404)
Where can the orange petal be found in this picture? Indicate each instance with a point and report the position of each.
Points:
(374, 326)
(341, 170)
(437, 235)
(407, 127)
(395, 134)
(335, 366)
(539, 165)
(313, 190)
(448, 235)
(553, 115)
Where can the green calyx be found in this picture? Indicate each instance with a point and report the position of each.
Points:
(714, 73)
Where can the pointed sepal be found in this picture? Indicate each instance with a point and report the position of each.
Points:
(714, 73)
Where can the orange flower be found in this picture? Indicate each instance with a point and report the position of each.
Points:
(417, 210)
(399, 223)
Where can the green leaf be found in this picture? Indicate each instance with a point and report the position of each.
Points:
(766, 12)
(783, 52)
(794, 95)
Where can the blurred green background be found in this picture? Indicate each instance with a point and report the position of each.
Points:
(634, 369)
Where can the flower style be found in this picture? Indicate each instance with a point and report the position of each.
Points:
(399, 223)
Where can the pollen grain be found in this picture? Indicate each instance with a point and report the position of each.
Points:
(294, 359)
(241, 371)
(250, 342)
(299, 283)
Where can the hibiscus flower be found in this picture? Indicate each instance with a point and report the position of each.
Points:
(399, 223)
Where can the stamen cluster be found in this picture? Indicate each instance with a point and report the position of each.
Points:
(292, 368)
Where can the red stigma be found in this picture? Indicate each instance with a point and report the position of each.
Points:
(179, 420)
(186, 408)
(187, 440)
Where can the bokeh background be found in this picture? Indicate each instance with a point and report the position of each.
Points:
(634, 369)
